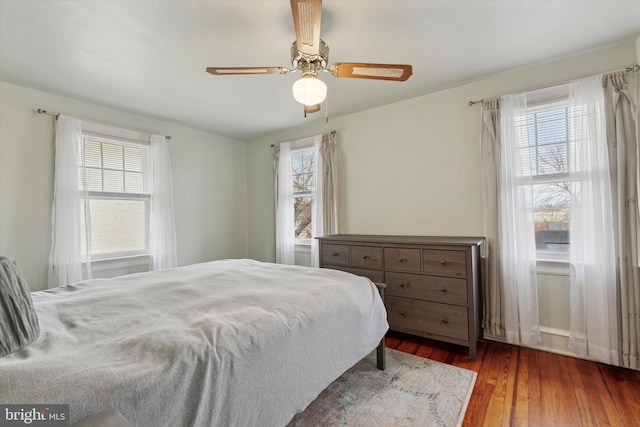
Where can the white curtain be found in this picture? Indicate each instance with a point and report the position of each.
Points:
(593, 316)
(324, 217)
(65, 258)
(285, 233)
(517, 240)
(162, 229)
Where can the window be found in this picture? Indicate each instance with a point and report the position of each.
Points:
(306, 197)
(547, 150)
(302, 164)
(114, 177)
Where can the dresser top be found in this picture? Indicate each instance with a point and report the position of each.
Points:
(420, 240)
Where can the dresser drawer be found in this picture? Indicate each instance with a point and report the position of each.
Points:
(428, 317)
(373, 275)
(406, 259)
(366, 256)
(335, 254)
(445, 263)
(430, 288)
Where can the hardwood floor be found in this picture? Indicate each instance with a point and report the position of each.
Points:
(518, 386)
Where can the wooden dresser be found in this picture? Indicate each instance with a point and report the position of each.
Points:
(433, 283)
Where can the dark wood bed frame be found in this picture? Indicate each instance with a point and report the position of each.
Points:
(380, 350)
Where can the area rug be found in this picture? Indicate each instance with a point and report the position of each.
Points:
(411, 392)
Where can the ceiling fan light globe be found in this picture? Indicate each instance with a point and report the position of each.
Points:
(309, 90)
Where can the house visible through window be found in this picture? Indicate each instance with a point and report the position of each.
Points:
(302, 164)
(114, 176)
(546, 156)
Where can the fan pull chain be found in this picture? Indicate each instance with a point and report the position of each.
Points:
(326, 109)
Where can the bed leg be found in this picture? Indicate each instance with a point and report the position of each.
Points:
(380, 353)
(382, 287)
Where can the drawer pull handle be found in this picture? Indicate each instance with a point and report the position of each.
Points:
(443, 262)
(365, 256)
(443, 290)
(444, 322)
(403, 314)
(401, 260)
(402, 285)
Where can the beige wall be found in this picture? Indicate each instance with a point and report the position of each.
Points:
(414, 167)
(208, 175)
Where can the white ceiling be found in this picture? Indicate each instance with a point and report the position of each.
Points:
(149, 57)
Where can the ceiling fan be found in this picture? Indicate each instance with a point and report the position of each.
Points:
(310, 54)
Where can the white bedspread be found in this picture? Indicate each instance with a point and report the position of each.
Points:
(225, 343)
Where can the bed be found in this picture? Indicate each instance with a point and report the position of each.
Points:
(224, 343)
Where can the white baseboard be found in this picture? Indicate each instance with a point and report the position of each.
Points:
(553, 341)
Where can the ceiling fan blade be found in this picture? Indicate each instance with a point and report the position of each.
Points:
(356, 70)
(222, 71)
(307, 15)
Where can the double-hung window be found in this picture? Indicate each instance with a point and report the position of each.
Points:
(302, 166)
(113, 202)
(113, 173)
(306, 181)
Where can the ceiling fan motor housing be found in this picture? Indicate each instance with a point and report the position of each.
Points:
(310, 63)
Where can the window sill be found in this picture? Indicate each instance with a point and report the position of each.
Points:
(303, 247)
(107, 264)
(553, 267)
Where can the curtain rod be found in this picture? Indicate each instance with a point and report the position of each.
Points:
(52, 113)
(627, 70)
(333, 132)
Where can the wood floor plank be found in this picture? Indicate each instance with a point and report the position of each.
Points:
(584, 414)
(477, 408)
(408, 347)
(511, 382)
(624, 393)
(600, 384)
(424, 351)
(535, 394)
(590, 412)
(520, 411)
(499, 410)
(600, 402)
(392, 340)
(547, 412)
(487, 362)
(518, 386)
(440, 354)
(561, 407)
(568, 391)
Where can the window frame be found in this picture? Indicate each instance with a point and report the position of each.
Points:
(127, 258)
(303, 244)
(552, 261)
